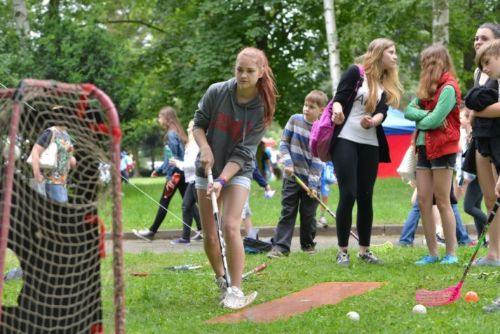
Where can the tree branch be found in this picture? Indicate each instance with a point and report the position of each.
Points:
(137, 22)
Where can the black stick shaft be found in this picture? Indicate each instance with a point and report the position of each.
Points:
(480, 242)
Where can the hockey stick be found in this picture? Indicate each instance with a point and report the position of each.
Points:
(452, 294)
(254, 270)
(386, 245)
(218, 225)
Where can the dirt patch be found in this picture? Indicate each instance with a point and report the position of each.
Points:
(328, 293)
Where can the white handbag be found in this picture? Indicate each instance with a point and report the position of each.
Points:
(408, 165)
(48, 158)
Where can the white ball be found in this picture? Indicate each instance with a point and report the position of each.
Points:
(419, 309)
(354, 316)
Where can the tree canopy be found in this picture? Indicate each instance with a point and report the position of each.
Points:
(148, 54)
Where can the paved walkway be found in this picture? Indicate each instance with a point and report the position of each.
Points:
(323, 242)
(325, 238)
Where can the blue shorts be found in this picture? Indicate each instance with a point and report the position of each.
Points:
(202, 182)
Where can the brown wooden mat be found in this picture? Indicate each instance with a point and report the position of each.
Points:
(328, 293)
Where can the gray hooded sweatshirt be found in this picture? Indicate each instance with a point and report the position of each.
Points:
(233, 130)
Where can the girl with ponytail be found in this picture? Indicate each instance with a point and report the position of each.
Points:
(229, 123)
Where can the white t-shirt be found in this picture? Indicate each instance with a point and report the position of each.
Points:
(352, 129)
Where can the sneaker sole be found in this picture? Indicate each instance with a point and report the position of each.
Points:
(140, 236)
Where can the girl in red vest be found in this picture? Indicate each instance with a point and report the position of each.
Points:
(435, 111)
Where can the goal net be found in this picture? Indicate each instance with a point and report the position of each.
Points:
(54, 247)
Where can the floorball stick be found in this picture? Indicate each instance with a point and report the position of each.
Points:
(254, 270)
(218, 224)
(452, 294)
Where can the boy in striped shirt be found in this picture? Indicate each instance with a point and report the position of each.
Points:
(298, 160)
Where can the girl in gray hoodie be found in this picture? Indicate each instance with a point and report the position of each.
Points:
(229, 124)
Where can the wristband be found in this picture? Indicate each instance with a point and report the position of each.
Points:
(221, 180)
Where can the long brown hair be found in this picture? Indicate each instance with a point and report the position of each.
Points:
(374, 72)
(435, 60)
(169, 114)
(265, 86)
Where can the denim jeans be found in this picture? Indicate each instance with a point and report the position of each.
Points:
(410, 226)
(462, 236)
(56, 192)
(411, 223)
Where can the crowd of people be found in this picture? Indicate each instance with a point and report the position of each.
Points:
(233, 116)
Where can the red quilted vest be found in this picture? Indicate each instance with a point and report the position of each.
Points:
(440, 142)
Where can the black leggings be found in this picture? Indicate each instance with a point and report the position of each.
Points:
(472, 205)
(165, 202)
(190, 211)
(356, 167)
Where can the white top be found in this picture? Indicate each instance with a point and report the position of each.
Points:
(352, 129)
(188, 165)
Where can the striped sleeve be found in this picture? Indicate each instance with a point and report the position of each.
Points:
(294, 148)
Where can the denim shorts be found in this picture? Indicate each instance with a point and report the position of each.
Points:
(56, 192)
(444, 162)
(202, 182)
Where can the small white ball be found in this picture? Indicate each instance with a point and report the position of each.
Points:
(419, 309)
(354, 316)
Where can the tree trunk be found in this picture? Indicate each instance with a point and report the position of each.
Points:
(331, 36)
(21, 18)
(53, 12)
(440, 22)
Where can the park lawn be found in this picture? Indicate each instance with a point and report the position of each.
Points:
(181, 302)
(391, 204)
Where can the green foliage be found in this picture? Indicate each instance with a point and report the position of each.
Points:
(153, 53)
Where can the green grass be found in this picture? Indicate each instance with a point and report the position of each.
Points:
(391, 203)
(181, 302)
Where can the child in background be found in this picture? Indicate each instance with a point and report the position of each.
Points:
(189, 208)
(299, 161)
(411, 223)
(327, 178)
(175, 139)
(55, 179)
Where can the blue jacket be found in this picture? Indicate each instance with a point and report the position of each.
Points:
(174, 148)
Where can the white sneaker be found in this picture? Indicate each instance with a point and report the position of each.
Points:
(235, 299)
(322, 222)
(269, 193)
(145, 234)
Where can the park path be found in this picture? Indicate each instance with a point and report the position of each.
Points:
(163, 245)
(325, 238)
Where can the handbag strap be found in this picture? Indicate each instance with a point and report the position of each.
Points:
(53, 131)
